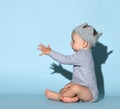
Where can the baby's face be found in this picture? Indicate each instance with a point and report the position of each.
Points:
(77, 42)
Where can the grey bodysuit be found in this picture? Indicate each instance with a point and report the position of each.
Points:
(83, 69)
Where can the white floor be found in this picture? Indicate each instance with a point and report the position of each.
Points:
(40, 102)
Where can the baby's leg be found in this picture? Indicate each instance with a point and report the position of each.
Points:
(57, 96)
(52, 95)
(75, 90)
(65, 87)
(70, 99)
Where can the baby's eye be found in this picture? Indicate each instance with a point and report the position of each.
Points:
(73, 40)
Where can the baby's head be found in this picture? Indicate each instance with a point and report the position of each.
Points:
(87, 33)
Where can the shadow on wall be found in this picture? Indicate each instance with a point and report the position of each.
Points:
(100, 55)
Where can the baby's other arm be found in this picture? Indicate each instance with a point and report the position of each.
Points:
(68, 85)
(45, 50)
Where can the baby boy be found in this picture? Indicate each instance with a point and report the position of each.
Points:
(83, 85)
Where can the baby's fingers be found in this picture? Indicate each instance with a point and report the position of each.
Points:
(41, 46)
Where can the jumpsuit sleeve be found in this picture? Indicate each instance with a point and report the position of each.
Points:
(70, 59)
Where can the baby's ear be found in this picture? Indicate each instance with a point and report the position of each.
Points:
(85, 44)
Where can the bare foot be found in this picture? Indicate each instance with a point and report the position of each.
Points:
(52, 95)
(70, 100)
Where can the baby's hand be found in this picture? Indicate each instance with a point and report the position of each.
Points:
(45, 50)
(68, 85)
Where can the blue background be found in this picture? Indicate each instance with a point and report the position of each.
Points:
(26, 23)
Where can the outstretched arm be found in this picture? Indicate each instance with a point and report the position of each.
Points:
(65, 59)
(71, 59)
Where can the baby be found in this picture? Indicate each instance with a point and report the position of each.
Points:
(83, 85)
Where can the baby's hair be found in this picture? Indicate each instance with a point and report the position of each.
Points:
(94, 30)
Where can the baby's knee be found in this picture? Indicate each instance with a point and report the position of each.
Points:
(75, 87)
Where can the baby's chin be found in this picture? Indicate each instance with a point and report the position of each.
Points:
(74, 50)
